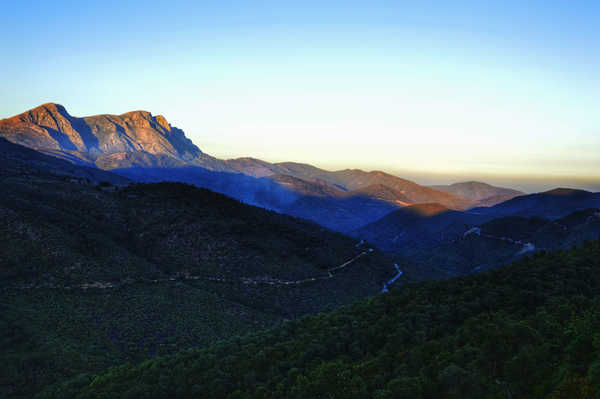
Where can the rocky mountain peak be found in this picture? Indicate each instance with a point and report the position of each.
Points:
(138, 134)
(48, 114)
(50, 107)
(162, 121)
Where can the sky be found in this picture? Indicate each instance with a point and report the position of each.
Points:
(437, 91)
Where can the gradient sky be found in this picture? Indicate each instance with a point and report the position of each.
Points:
(435, 91)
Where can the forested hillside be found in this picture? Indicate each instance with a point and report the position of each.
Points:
(94, 274)
(529, 330)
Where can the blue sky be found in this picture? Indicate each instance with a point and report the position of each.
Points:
(435, 91)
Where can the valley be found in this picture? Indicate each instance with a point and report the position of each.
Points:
(526, 329)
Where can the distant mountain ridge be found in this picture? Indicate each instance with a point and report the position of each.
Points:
(480, 194)
(551, 204)
(408, 192)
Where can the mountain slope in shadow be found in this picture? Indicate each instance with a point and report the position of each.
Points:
(419, 226)
(505, 239)
(149, 269)
(551, 204)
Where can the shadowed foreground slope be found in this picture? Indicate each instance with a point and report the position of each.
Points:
(94, 275)
(529, 330)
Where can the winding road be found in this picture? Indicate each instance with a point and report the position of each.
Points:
(396, 277)
(185, 276)
(527, 246)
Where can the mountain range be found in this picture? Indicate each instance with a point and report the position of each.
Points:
(143, 147)
(395, 214)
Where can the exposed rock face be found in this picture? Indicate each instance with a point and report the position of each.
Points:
(139, 131)
(137, 138)
(48, 126)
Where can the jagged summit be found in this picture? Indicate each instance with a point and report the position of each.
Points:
(161, 120)
(48, 107)
(105, 140)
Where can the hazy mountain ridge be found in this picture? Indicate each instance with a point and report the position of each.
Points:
(342, 211)
(478, 193)
(352, 179)
(551, 204)
(318, 188)
(376, 184)
(382, 193)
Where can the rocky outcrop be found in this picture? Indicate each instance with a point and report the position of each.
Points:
(110, 141)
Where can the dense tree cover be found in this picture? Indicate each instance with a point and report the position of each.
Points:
(96, 275)
(61, 232)
(528, 330)
(502, 240)
(48, 335)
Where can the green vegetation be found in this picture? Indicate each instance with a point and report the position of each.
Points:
(92, 276)
(61, 233)
(47, 335)
(170, 291)
(529, 330)
(501, 241)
